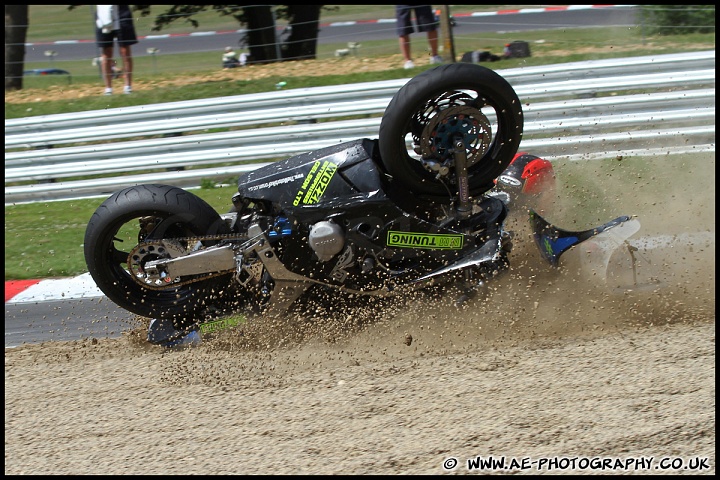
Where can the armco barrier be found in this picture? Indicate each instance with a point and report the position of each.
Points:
(582, 102)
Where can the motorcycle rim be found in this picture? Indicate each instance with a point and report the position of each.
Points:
(114, 231)
(418, 129)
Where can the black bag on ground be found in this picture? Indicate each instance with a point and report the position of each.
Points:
(517, 49)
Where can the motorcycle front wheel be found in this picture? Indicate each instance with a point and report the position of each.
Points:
(140, 214)
(426, 117)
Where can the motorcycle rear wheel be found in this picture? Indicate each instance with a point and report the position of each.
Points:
(113, 232)
(435, 108)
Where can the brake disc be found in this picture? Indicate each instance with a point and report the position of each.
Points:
(437, 140)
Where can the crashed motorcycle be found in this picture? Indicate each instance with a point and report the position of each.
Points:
(424, 204)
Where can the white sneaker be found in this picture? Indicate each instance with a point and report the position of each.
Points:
(409, 64)
(108, 91)
(436, 59)
(127, 89)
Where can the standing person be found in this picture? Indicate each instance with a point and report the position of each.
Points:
(426, 22)
(115, 22)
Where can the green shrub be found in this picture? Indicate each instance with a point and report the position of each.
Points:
(208, 183)
(678, 19)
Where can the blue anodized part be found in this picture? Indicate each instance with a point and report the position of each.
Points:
(281, 228)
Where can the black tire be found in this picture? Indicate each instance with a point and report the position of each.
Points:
(435, 105)
(114, 230)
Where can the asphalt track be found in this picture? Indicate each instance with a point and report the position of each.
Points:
(60, 309)
(512, 11)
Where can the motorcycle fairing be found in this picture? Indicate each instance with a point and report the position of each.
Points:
(488, 254)
(306, 179)
(553, 241)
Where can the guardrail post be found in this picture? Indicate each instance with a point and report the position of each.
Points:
(447, 35)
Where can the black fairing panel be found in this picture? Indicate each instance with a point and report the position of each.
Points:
(367, 225)
(337, 171)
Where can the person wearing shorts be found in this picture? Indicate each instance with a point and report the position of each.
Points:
(115, 22)
(425, 21)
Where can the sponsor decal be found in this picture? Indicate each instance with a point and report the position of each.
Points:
(275, 183)
(221, 324)
(345, 260)
(425, 240)
(317, 180)
(508, 180)
(548, 246)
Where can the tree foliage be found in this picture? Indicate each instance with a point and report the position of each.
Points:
(678, 19)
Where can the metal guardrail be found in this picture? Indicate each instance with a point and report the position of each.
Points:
(680, 111)
(243, 145)
(296, 105)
